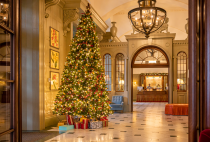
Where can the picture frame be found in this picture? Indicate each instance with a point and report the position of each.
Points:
(54, 38)
(54, 59)
(54, 80)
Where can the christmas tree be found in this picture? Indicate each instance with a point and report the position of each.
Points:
(83, 88)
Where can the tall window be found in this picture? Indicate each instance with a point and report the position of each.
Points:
(108, 70)
(120, 62)
(182, 71)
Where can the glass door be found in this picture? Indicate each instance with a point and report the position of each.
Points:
(9, 71)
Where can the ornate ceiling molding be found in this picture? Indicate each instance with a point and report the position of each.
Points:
(180, 42)
(49, 3)
(113, 44)
(69, 15)
(81, 4)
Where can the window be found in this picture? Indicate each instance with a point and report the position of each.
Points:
(108, 70)
(120, 62)
(151, 56)
(182, 71)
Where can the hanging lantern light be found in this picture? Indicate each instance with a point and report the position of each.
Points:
(147, 18)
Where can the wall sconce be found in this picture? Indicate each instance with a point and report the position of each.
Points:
(134, 83)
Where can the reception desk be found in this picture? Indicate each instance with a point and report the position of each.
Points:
(152, 96)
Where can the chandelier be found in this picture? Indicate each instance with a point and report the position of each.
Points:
(147, 18)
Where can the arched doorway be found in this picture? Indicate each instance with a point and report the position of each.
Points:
(150, 57)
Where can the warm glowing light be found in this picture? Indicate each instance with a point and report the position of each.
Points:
(5, 17)
(180, 81)
(152, 61)
(136, 18)
(134, 83)
(121, 82)
(152, 16)
(1, 3)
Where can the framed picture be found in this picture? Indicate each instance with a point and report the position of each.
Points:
(54, 59)
(54, 38)
(55, 77)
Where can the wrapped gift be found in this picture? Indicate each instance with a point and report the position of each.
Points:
(69, 120)
(60, 124)
(104, 118)
(85, 121)
(77, 125)
(75, 119)
(105, 123)
(84, 126)
(100, 124)
(65, 122)
(66, 127)
(83, 118)
(96, 124)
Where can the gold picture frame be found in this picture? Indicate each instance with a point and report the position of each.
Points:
(55, 80)
(54, 59)
(54, 38)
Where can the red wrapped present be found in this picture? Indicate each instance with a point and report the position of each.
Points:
(105, 123)
(77, 125)
(85, 121)
(69, 120)
(104, 118)
(84, 126)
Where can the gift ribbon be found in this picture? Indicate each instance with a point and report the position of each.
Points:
(76, 125)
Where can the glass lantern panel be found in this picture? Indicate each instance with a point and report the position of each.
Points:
(161, 15)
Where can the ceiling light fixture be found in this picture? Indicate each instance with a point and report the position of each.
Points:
(148, 14)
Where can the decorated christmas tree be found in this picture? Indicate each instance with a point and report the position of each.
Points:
(83, 88)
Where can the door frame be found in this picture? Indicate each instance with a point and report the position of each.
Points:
(167, 65)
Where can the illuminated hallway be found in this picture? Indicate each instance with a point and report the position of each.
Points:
(147, 123)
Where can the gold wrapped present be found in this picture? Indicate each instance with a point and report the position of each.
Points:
(60, 124)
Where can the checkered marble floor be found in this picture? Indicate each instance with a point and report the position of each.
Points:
(147, 123)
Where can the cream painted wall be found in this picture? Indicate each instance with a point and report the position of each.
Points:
(166, 42)
(55, 21)
(32, 46)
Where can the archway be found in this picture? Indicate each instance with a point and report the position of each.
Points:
(150, 57)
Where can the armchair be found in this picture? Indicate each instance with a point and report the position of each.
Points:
(117, 103)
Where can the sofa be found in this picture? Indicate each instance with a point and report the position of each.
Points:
(117, 103)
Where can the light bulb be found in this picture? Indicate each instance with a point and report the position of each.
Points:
(1, 3)
(152, 16)
(136, 18)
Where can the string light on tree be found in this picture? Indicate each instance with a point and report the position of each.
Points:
(83, 88)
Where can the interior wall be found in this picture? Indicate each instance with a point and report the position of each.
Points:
(55, 20)
(32, 50)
